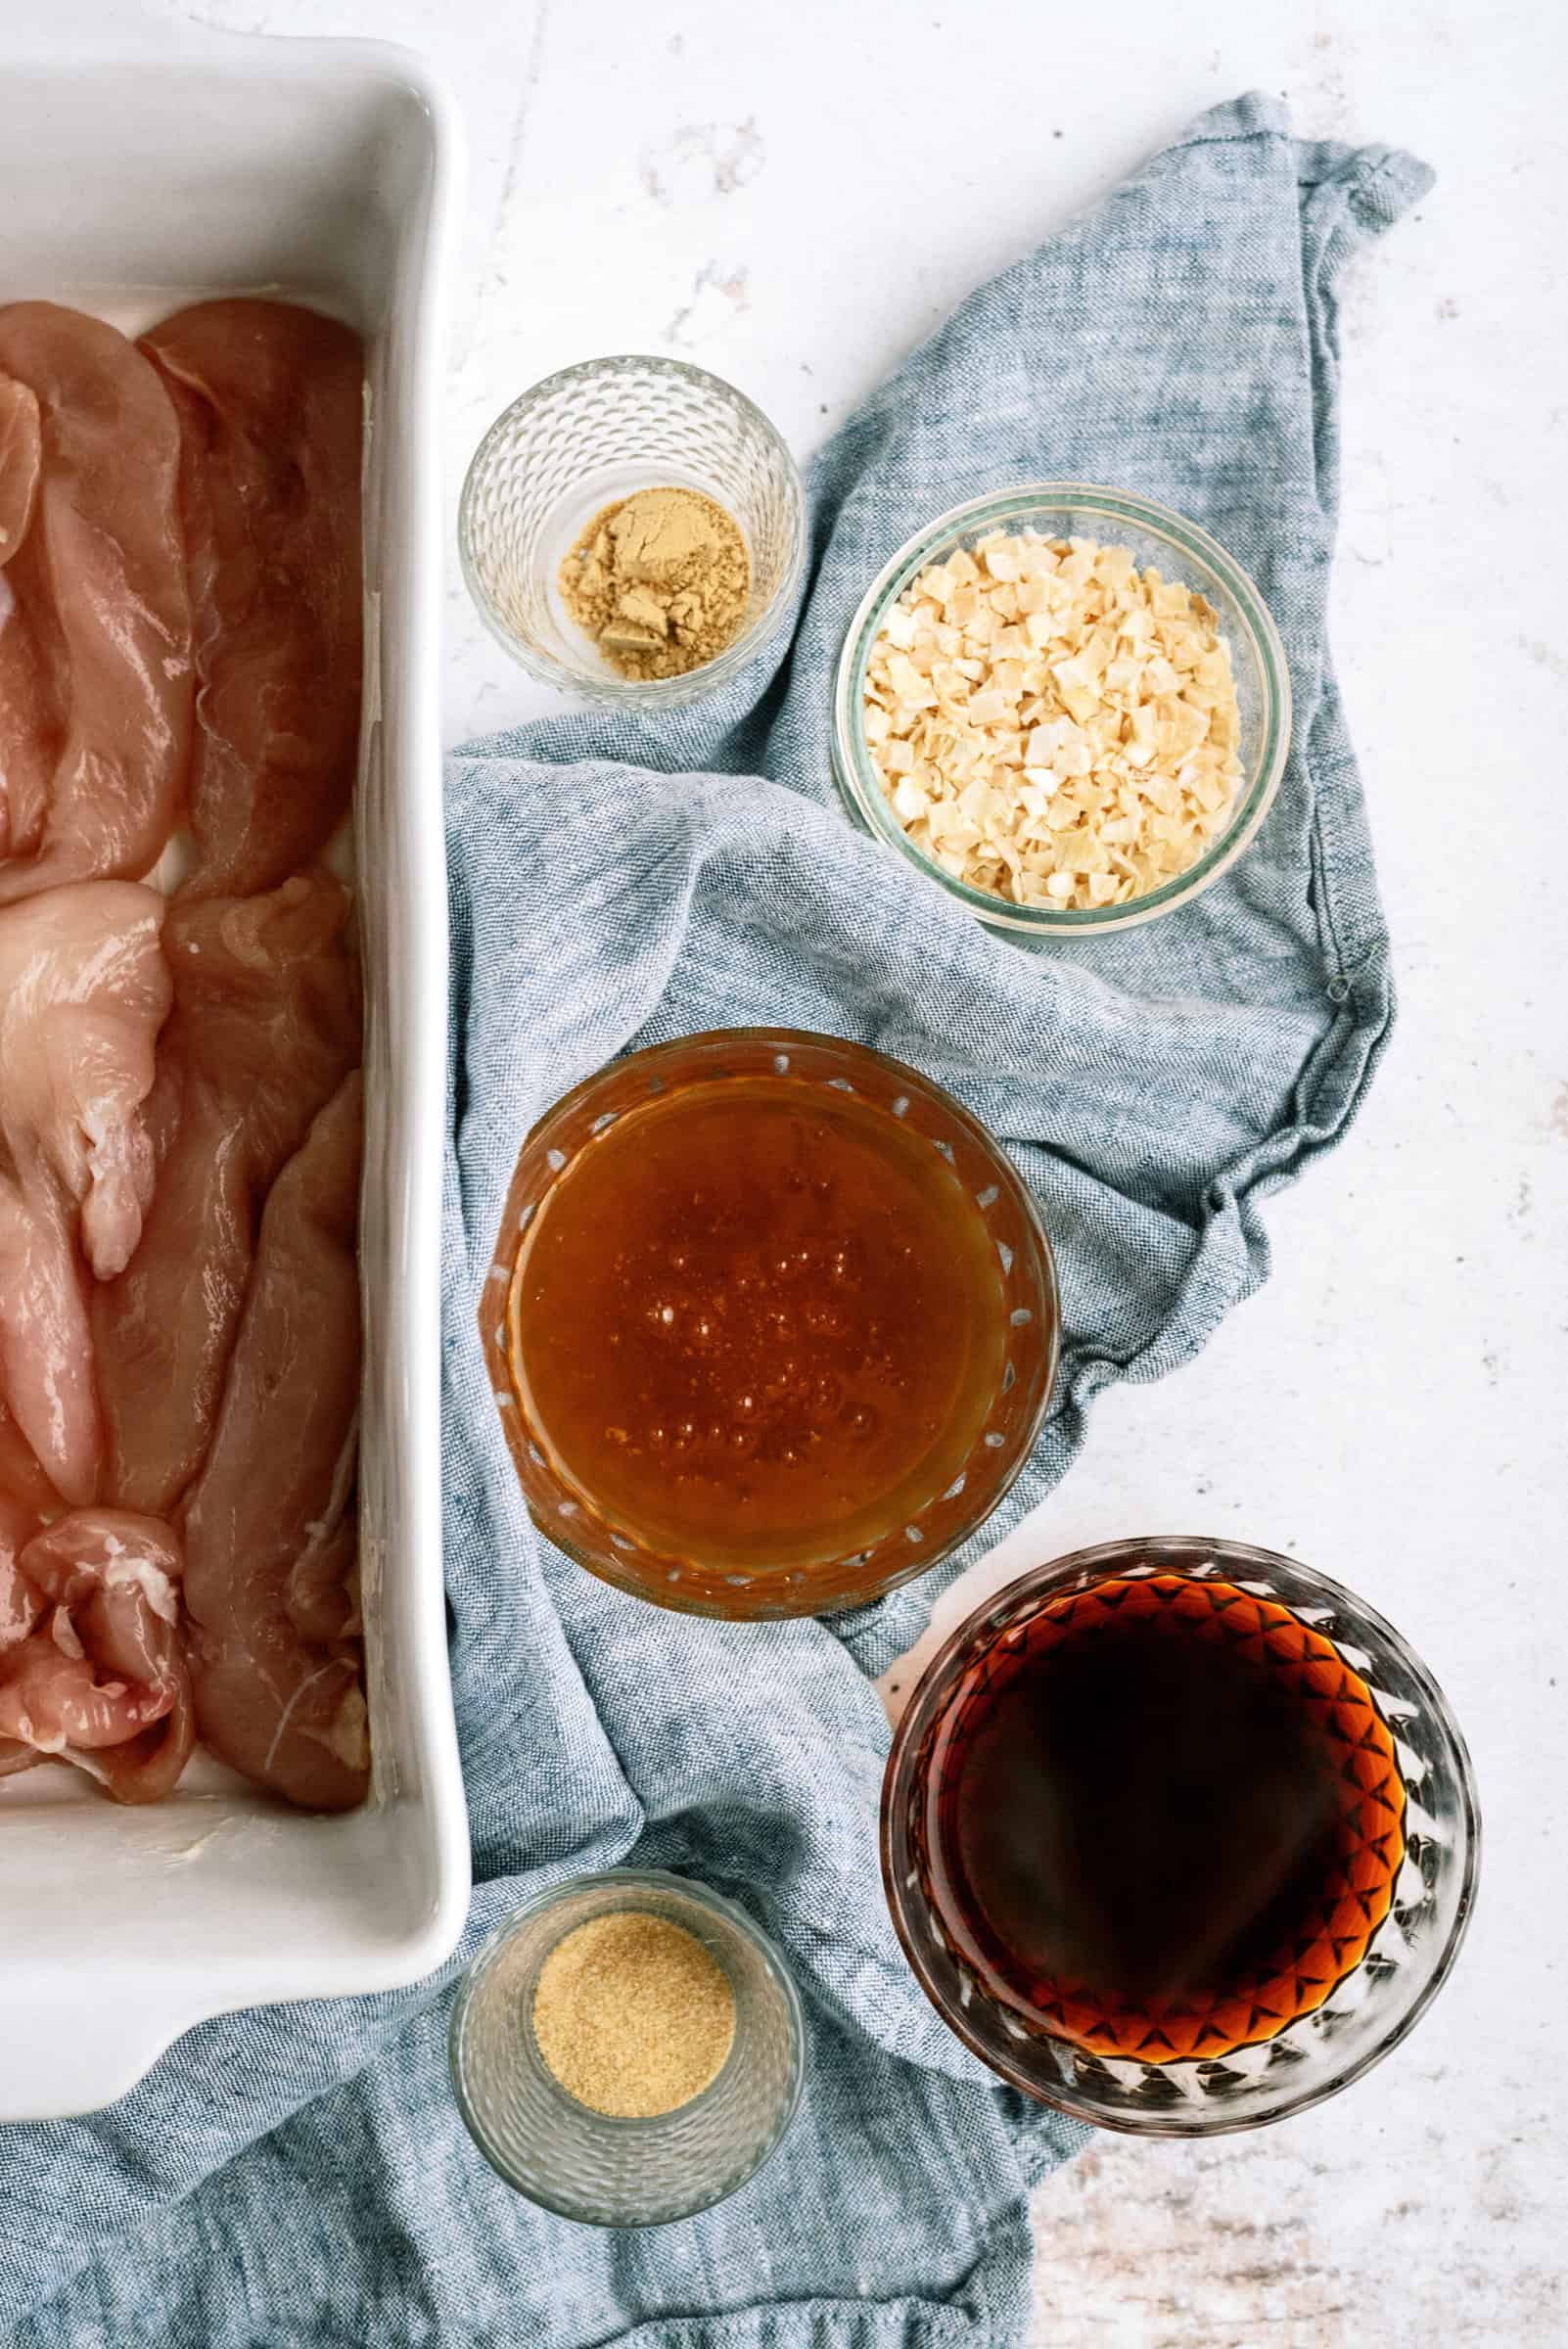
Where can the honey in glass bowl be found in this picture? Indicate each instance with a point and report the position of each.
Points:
(780, 1323)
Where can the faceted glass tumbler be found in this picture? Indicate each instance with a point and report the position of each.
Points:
(574, 444)
(593, 2166)
(1366, 2013)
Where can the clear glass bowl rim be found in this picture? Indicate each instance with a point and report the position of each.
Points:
(680, 1888)
(1170, 1552)
(852, 766)
(607, 691)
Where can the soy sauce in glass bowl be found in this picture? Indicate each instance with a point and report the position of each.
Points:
(1179, 1835)
(772, 1323)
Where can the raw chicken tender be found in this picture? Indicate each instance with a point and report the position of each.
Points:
(46, 1341)
(19, 1609)
(96, 667)
(269, 1532)
(26, 731)
(101, 1678)
(270, 402)
(20, 462)
(83, 991)
(21, 1480)
(266, 1024)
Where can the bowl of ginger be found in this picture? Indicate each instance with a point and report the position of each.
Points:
(632, 529)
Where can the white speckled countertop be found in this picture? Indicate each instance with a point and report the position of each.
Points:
(797, 194)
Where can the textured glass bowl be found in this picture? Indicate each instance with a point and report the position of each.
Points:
(1017, 1412)
(1179, 550)
(1366, 2013)
(575, 442)
(590, 2165)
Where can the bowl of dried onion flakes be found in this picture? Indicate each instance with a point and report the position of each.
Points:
(1068, 705)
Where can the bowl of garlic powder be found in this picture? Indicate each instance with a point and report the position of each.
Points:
(632, 529)
(1066, 705)
(627, 2047)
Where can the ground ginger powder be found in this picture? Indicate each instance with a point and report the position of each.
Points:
(633, 2016)
(659, 581)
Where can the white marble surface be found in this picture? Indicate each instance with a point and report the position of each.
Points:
(797, 194)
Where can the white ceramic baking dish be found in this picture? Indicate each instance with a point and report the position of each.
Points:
(322, 171)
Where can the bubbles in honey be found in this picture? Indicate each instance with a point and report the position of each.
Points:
(784, 1303)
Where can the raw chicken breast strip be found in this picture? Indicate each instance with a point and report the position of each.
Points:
(96, 667)
(83, 991)
(270, 1533)
(102, 1680)
(270, 403)
(19, 1609)
(46, 1339)
(22, 1483)
(20, 462)
(25, 726)
(266, 1024)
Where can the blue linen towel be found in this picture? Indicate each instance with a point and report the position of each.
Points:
(299, 2175)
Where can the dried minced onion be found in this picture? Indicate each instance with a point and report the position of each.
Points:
(1052, 723)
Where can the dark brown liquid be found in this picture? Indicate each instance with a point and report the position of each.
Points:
(1163, 1816)
(759, 1318)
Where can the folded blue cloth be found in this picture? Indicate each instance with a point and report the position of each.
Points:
(300, 2176)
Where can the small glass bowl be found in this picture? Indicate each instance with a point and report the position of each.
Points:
(578, 441)
(1025, 1379)
(1181, 551)
(593, 2166)
(1364, 2015)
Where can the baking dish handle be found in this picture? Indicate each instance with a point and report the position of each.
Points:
(70, 2048)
